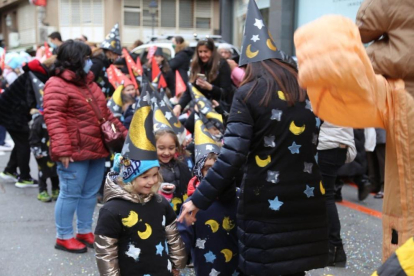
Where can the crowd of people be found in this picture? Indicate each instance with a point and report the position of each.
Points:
(234, 174)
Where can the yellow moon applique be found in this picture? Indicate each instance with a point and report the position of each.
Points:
(213, 225)
(201, 104)
(214, 115)
(322, 188)
(228, 224)
(281, 95)
(50, 164)
(176, 201)
(131, 220)
(249, 52)
(159, 116)
(270, 45)
(116, 97)
(295, 129)
(201, 137)
(41, 92)
(137, 131)
(228, 254)
(177, 124)
(113, 44)
(147, 233)
(263, 162)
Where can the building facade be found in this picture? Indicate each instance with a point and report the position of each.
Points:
(24, 25)
(282, 17)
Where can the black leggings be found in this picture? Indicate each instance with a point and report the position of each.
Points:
(20, 155)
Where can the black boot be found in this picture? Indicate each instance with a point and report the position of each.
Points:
(337, 256)
(364, 187)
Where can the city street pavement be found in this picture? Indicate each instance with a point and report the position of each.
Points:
(27, 236)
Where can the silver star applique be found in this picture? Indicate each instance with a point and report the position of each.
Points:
(209, 147)
(272, 176)
(276, 115)
(200, 243)
(269, 141)
(308, 168)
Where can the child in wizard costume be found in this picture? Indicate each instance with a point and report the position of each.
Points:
(212, 239)
(39, 145)
(136, 233)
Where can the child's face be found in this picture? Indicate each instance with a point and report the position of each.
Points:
(214, 131)
(209, 163)
(166, 148)
(143, 184)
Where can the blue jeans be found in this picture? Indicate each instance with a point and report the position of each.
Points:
(79, 184)
(2, 135)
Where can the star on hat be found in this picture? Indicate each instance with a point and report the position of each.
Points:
(112, 41)
(257, 43)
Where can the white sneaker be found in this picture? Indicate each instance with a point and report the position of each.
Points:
(6, 147)
(7, 177)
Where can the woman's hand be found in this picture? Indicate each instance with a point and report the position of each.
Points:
(204, 84)
(177, 110)
(65, 161)
(188, 213)
(215, 103)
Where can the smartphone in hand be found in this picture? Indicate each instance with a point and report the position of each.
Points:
(202, 77)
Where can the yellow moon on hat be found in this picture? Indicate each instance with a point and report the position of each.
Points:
(249, 52)
(263, 162)
(116, 97)
(41, 92)
(201, 104)
(214, 115)
(200, 137)
(147, 233)
(270, 45)
(177, 124)
(160, 117)
(137, 131)
(295, 129)
(113, 44)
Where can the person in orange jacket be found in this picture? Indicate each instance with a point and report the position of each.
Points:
(347, 89)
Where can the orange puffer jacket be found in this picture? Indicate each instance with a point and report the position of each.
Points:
(344, 90)
(73, 127)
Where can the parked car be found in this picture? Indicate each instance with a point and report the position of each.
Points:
(165, 42)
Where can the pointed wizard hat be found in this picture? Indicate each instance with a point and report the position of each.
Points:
(203, 141)
(112, 41)
(38, 89)
(206, 112)
(140, 142)
(257, 43)
(164, 118)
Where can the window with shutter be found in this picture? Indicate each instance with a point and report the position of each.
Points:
(81, 12)
(65, 13)
(132, 12)
(186, 13)
(147, 17)
(168, 12)
(203, 23)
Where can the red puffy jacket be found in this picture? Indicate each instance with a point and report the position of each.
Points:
(73, 127)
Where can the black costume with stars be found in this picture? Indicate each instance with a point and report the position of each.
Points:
(282, 226)
(138, 255)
